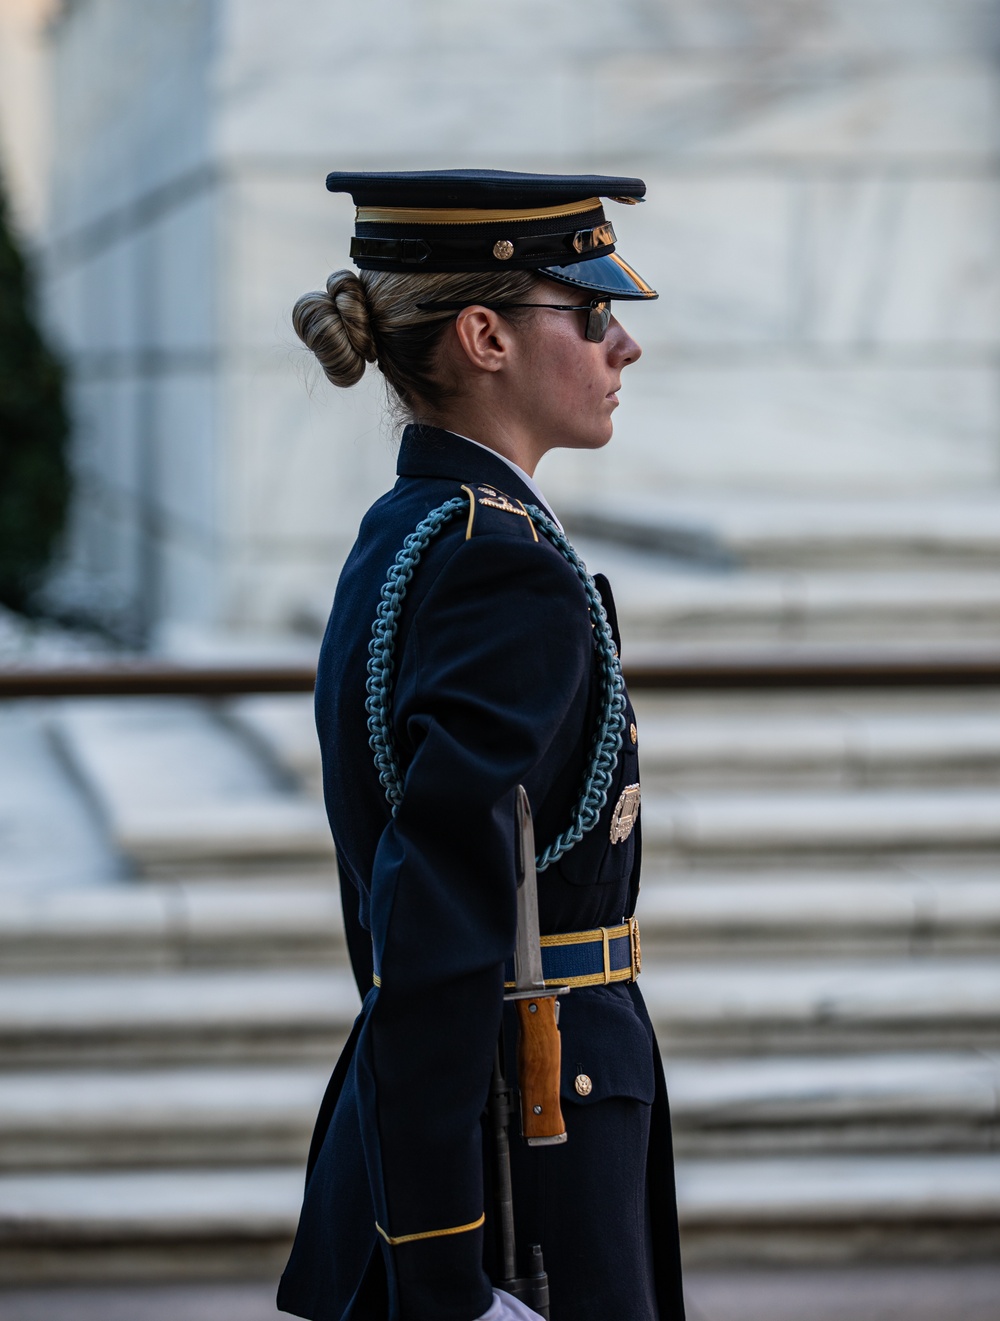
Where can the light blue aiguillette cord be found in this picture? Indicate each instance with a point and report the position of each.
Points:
(607, 740)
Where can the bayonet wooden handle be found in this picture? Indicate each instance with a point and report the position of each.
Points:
(539, 1057)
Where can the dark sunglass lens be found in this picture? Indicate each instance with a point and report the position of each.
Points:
(598, 321)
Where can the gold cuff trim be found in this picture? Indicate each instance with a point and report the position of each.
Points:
(430, 1233)
(412, 215)
(376, 979)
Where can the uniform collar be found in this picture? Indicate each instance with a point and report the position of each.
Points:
(530, 483)
(431, 452)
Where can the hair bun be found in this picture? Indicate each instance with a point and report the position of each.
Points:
(336, 327)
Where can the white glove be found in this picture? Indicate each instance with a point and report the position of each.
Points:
(506, 1307)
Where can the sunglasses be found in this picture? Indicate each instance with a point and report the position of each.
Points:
(598, 312)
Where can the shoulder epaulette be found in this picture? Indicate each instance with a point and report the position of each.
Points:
(489, 498)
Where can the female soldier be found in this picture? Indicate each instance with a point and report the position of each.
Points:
(469, 652)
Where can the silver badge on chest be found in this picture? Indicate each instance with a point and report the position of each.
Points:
(626, 812)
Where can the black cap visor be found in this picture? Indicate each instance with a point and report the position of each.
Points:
(608, 275)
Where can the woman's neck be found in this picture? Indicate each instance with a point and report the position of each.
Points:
(493, 432)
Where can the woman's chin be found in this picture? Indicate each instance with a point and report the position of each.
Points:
(594, 437)
(599, 441)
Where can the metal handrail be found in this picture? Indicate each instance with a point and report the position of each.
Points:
(812, 666)
(647, 667)
(153, 678)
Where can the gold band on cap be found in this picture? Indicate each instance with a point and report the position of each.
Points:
(412, 215)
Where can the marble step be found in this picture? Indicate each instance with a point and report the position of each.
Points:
(172, 924)
(721, 745)
(689, 739)
(766, 530)
(659, 600)
(35, 792)
(819, 822)
(179, 789)
(117, 1118)
(692, 915)
(203, 1016)
(160, 1224)
(265, 1015)
(107, 1119)
(144, 1224)
(840, 1208)
(283, 726)
(732, 1007)
(879, 1103)
(686, 914)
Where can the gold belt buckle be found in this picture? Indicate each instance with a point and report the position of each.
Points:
(633, 931)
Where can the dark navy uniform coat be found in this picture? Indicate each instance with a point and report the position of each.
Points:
(496, 684)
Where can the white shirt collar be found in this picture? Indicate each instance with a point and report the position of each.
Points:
(529, 482)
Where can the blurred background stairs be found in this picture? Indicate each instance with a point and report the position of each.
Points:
(168, 1018)
(821, 889)
(820, 916)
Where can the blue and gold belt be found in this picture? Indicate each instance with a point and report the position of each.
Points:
(589, 958)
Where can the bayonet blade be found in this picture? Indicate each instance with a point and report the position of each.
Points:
(528, 974)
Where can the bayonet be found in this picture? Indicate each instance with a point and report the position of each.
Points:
(538, 1048)
(528, 972)
(538, 1067)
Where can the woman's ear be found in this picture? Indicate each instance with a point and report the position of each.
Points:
(484, 337)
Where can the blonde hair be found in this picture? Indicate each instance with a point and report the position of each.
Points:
(372, 316)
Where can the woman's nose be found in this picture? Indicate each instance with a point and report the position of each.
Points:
(626, 349)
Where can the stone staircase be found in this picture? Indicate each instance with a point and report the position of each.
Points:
(821, 923)
(821, 898)
(166, 1027)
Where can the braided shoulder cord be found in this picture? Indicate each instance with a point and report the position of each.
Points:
(380, 649)
(607, 739)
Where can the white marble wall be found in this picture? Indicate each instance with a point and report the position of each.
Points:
(822, 226)
(24, 117)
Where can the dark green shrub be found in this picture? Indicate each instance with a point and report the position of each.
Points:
(34, 478)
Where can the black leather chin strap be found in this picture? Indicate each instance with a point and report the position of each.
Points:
(452, 252)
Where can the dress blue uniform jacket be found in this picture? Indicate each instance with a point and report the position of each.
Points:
(496, 684)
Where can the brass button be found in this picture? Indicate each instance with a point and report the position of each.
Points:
(633, 733)
(583, 1084)
(503, 249)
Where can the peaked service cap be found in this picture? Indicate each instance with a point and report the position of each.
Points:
(488, 220)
